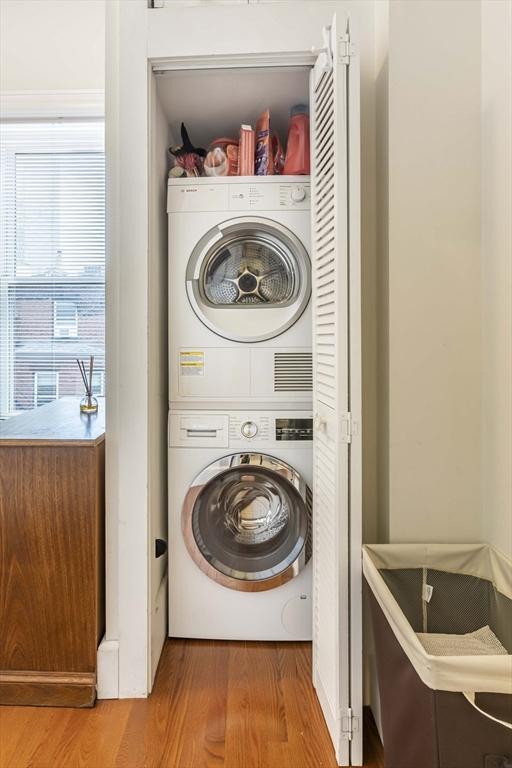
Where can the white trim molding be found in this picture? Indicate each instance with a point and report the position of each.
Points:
(235, 61)
(108, 669)
(32, 105)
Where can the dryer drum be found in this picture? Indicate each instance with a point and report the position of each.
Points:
(249, 270)
(247, 522)
(249, 279)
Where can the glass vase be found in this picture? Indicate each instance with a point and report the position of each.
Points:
(88, 404)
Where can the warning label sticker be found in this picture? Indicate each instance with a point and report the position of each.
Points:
(191, 363)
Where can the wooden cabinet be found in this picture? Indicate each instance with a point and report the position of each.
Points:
(51, 555)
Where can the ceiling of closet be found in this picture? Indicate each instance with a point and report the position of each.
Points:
(213, 103)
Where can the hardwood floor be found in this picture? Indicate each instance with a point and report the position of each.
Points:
(214, 705)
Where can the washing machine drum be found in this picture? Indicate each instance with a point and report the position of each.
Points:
(247, 522)
(249, 279)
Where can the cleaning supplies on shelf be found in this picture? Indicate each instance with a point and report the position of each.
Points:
(277, 154)
(222, 158)
(177, 172)
(216, 162)
(256, 152)
(263, 155)
(246, 151)
(269, 155)
(297, 151)
(187, 156)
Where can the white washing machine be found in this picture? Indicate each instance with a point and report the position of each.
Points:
(239, 292)
(240, 529)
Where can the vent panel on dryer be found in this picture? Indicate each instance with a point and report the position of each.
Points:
(293, 372)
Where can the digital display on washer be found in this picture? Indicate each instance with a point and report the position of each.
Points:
(294, 429)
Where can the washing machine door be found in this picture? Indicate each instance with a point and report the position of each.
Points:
(249, 279)
(246, 522)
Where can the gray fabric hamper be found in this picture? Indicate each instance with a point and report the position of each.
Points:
(441, 709)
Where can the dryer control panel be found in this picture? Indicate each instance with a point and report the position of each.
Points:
(269, 197)
(239, 193)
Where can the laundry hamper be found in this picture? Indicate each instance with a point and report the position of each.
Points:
(442, 623)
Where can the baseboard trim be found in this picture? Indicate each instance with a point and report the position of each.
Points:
(159, 627)
(47, 689)
(108, 669)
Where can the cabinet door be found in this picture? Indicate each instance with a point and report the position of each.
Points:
(335, 260)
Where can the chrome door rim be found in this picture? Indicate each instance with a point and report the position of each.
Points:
(233, 228)
(272, 464)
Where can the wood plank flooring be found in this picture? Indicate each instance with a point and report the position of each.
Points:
(214, 705)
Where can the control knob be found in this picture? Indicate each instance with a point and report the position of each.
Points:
(249, 429)
(298, 194)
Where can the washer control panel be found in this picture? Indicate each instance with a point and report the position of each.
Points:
(239, 429)
(275, 427)
(249, 427)
(294, 429)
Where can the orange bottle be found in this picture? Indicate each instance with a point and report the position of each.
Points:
(297, 150)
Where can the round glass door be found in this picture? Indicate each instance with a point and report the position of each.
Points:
(248, 270)
(249, 279)
(247, 522)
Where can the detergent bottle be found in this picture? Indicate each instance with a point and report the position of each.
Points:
(297, 150)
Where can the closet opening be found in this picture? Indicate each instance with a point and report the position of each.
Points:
(213, 103)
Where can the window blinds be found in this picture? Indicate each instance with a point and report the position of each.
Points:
(52, 260)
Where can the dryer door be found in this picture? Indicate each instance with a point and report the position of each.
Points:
(249, 279)
(247, 522)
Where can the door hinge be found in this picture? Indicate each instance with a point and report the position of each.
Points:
(346, 49)
(346, 427)
(156, 3)
(349, 724)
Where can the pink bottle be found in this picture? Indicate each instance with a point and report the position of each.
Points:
(297, 150)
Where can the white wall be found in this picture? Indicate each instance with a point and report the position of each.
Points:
(496, 272)
(430, 294)
(48, 45)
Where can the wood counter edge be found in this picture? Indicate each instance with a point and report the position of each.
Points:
(49, 442)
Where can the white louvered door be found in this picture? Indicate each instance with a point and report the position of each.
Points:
(333, 257)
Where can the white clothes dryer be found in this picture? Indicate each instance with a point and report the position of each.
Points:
(239, 292)
(240, 529)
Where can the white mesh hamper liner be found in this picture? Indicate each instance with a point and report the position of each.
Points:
(482, 642)
(491, 673)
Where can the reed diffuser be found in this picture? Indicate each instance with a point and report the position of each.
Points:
(88, 403)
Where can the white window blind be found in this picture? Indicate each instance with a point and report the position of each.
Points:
(52, 259)
(65, 321)
(46, 387)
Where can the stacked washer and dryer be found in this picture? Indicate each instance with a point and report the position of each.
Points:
(240, 422)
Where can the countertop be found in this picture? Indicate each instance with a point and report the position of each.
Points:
(58, 423)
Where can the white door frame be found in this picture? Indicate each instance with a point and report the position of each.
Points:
(123, 653)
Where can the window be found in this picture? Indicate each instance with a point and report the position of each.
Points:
(52, 260)
(46, 387)
(65, 319)
(98, 378)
